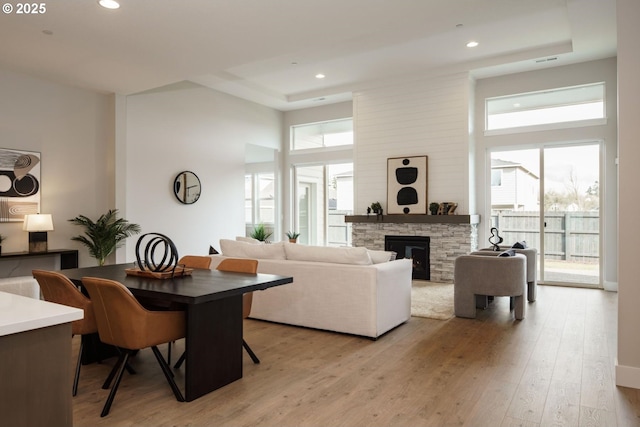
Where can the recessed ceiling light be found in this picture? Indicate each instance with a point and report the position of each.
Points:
(472, 44)
(320, 76)
(109, 4)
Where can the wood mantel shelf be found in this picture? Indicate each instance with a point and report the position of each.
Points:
(414, 219)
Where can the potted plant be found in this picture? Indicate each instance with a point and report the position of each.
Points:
(433, 208)
(103, 236)
(260, 233)
(293, 236)
(376, 207)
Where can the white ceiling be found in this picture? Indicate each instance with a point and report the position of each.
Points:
(269, 51)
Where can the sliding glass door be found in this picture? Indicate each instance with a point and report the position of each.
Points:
(324, 195)
(571, 223)
(550, 198)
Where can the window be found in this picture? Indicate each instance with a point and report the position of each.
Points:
(321, 160)
(259, 200)
(563, 105)
(324, 197)
(322, 135)
(496, 178)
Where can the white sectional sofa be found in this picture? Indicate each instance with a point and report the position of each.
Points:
(348, 290)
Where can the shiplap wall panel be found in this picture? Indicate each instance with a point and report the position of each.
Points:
(419, 116)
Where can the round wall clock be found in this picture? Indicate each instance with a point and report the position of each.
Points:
(187, 187)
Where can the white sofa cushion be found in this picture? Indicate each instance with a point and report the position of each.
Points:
(339, 255)
(239, 249)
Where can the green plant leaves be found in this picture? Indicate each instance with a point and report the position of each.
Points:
(105, 235)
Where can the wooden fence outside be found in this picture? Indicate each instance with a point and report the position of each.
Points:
(570, 236)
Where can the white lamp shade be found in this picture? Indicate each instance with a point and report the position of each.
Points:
(38, 222)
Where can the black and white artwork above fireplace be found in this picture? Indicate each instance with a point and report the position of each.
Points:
(407, 185)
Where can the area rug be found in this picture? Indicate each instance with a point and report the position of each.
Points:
(432, 299)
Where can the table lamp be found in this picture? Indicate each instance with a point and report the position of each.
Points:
(37, 225)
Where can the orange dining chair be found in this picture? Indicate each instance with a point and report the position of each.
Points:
(57, 288)
(125, 323)
(237, 265)
(196, 261)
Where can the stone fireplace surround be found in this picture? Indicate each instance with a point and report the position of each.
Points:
(451, 236)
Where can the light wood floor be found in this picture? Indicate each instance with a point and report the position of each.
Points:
(556, 367)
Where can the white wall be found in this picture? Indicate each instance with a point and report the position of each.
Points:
(189, 127)
(571, 75)
(73, 131)
(423, 115)
(628, 367)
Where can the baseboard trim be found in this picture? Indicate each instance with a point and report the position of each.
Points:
(627, 376)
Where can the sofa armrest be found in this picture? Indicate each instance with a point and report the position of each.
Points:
(394, 293)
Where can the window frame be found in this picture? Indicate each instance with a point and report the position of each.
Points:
(551, 125)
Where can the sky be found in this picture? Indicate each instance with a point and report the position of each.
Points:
(559, 162)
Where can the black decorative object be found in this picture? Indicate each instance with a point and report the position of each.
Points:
(160, 253)
(495, 239)
(407, 185)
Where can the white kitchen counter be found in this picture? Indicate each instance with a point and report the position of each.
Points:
(20, 314)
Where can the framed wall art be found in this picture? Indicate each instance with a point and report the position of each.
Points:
(407, 185)
(19, 184)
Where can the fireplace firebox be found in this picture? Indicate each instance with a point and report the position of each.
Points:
(415, 248)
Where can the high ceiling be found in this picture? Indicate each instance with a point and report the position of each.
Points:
(269, 51)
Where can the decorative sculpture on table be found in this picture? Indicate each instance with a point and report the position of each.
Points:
(157, 258)
(495, 239)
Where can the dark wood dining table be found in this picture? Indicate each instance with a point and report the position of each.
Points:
(212, 300)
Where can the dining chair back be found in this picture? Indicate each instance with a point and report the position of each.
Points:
(125, 323)
(196, 261)
(57, 288)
